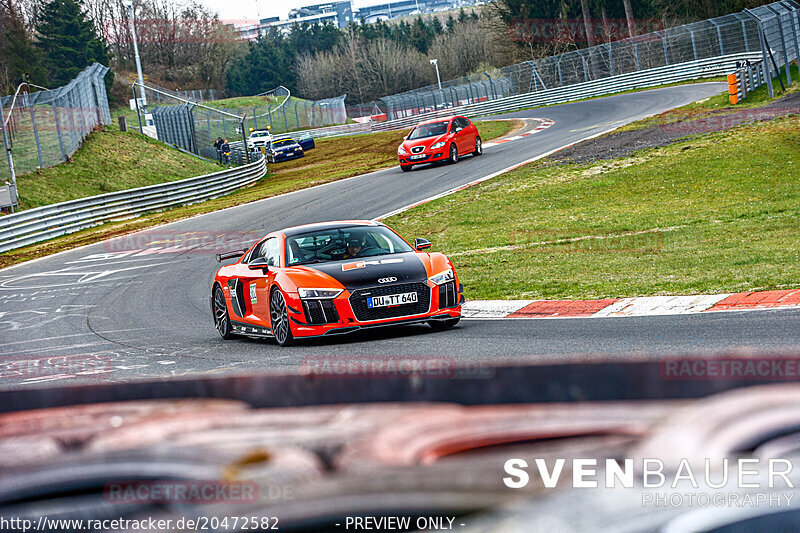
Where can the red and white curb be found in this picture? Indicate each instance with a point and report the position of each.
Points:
(544, 123)
(622, 307)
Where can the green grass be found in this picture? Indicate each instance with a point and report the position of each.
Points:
(247, 101)
(717, 213)
(108, 161)
(720, 103)
(333, 159)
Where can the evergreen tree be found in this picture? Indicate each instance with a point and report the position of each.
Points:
(269, 62)
(68, 41)
(17, 53)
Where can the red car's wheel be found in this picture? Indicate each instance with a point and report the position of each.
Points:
(279, 319)
(453, 154)
(478, 146)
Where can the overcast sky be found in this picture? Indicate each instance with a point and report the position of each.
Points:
(251, 9)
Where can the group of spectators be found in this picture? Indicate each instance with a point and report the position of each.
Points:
(223, 151)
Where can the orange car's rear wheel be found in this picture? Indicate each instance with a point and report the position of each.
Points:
(279, 319)
(221, 319)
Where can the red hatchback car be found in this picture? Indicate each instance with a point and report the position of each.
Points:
(441, 139)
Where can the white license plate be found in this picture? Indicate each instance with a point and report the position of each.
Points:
(417, 157)
(392, 299)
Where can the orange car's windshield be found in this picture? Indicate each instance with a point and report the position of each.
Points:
(336, 244)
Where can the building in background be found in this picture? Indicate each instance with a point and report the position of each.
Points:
(341, 13)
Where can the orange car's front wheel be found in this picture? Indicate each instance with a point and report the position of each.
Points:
(221, 319)
(279, 318)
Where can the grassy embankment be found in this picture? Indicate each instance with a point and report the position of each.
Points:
(110, 161)
(715, 213)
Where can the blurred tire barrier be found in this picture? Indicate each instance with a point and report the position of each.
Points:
(315, 466)
(46, 222)
(445, 433)
(764, 421)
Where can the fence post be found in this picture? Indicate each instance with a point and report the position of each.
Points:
(36, 135)
(664, 42)
(192, 129)
(138, 113)
(583, 61)
(795, 30)
(58, 131)
(636, 51)
(71, 113)
(719, 36)
(764, 59)
(611, 59)
(8, 151)
(244, 139)
(694, 42)
(786, 61)
(285, 120)
(558, 66)
(744, 36)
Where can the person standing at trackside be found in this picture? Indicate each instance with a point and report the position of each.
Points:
(218, 148)
(225, 150)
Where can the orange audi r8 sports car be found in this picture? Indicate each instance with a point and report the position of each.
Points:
(441, 139)
(333, 278)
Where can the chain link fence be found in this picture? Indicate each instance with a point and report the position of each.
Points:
(195, 127)
(43, 128)
(189, 125)
(773, 29)
(292, 114)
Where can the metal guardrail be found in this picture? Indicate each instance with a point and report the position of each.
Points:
(43, 223)
(703, 68)
(744, 80)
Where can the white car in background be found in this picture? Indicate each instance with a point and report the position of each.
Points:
(259, 139)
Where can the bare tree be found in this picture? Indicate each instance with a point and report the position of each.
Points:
(629, 17)
(587, 22)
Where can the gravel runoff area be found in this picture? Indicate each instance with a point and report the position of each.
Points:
(623, 143)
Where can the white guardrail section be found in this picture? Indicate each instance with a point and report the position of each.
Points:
(704, 68)
(42, 223)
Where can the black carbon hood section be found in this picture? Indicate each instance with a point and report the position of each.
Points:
(361, 273)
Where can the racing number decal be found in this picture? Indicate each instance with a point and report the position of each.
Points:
(253, 294)
(364, 264)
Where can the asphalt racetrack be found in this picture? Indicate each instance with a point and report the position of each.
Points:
(148, 316)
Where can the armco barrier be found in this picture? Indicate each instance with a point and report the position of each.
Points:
(703, 68)
(42, 223)
(744, 80)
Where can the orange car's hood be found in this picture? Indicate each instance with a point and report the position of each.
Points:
(372, 271)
